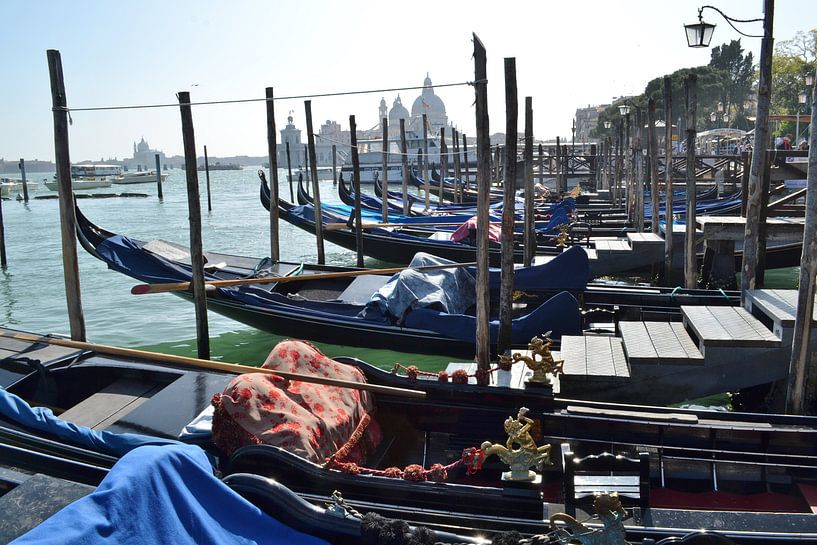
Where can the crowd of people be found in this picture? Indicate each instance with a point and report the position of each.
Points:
(785, 143)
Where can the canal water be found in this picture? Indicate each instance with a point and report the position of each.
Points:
(32, 295)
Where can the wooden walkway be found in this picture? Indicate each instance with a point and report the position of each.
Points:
(779, 305)
(728, 326)
(659, 343)
(595, 357)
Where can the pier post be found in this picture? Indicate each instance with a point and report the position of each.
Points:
(506, 280)
(68, 219)
(158, 177)
(628, 168)
(801, 394)
(207, 177)
(652, 144)
(427, 183)
(444, 165)
(455, 141)
(404, 159)
(541, 165)
(194, 211)
(465, 160)
(668, 220)
(356, 186)
(3, 261)
(385, 210)
(766, 180)
(745, 159)
(289, 174)
(334, 166)
(316, 191)
(272, 151)
(483, 333)
(305, 169)
(690, 259)
(638, 179)
(619, 164)
(759, 155)
(559, 188)
(530, 233)
(22, 166)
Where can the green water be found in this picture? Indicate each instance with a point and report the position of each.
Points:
(32, 295)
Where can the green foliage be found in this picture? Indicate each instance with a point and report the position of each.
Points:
(792, 61)
(740, 77)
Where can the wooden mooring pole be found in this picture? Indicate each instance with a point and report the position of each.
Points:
(652, 144)
(356, 186)
(619, 164)
(3, 260)
(289, 174)
(529, 239)
(68, 220)
(559, 188)
(759, 155)
(465, 160)
(335, 166)
(638, 179)
(194, 210)
(455, 141)
(483, 332)
(506, 281)
(159, 192)
(801, 396)
(316, 191)
(690, 258)
(404, 159)
(444, 166)
(272, 151)
(385, 209)
(22, 166)
(668, 220)
(427, 183)
(207, 177)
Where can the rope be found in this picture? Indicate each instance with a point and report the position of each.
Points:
(243, 100)
(724, 294)
(673, 292)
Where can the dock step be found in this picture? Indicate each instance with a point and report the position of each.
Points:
(658, 343)
(645, 239)
(594, 357)
(727, 326)
(779, 305)
(617, 245)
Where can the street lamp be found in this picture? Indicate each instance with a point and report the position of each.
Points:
(608, 124)
(700, 34)
(624, 109)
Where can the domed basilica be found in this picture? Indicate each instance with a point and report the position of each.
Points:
(427, 103)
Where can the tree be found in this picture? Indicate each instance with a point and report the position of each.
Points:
(793, 60)
(739, 70)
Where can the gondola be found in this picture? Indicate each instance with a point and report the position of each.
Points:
(428, 461)
(404, 312)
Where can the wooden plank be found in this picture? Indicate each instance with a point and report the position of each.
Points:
(111, 403)
(637, 343)
(639, 415)
(620, 365)
(693, 354)
(705, 326)
(743, 326)
(599, 356)
(780, 305)
(573, 354)
(666, 343)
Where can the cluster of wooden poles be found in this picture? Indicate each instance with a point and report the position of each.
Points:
(800, 358)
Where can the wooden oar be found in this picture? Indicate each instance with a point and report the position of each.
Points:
(141, 289)
(236, 368)
(337, 226)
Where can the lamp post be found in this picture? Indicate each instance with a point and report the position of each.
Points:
(607, 154)
(624, 109)
(699, 35)
(802, 100)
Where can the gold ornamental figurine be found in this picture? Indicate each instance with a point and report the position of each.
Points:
(541, 360)
(520, 451)
(611, 514)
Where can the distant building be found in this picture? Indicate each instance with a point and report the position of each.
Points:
(144, 158)
(586, 120)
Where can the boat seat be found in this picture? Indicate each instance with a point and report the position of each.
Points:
(111, 403)
(360, 291)
(604, 473)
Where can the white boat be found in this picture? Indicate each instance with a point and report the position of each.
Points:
(81, 183)
(9, 186)
(95, 170)
(139, 177)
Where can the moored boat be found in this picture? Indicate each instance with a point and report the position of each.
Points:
(435, 460)
(139, 177)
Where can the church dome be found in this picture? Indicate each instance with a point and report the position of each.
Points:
(428, 103)
(398, 111)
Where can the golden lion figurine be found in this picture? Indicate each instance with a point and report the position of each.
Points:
(541, 360)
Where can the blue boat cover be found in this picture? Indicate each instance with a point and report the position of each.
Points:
(451, 291)
(158, 495)
(43, 420)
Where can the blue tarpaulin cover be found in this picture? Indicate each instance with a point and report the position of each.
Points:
(163, 495)
(43, 420)
(451, 291)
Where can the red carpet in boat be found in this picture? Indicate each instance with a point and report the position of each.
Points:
(724, 501)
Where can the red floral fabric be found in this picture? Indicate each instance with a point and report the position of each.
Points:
(310, 420)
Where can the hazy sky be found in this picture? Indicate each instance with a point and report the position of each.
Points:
(568, 54)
